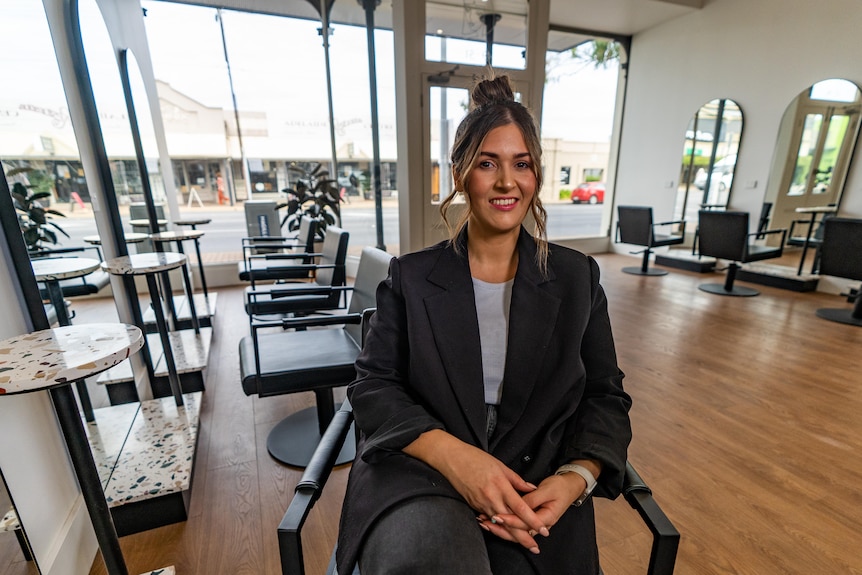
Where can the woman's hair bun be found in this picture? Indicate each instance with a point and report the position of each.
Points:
(492, 90)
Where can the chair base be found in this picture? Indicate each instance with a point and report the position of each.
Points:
(840, 315)
(293, 440)
(639, 271)
(737, 291)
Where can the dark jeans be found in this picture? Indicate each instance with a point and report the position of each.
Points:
(434, 536)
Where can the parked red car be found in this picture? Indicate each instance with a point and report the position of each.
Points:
(591, 192)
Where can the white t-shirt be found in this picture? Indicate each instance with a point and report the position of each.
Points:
(492, 308)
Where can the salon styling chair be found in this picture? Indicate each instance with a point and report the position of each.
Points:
(635, 226)
(725, 235)
(310, 359)
(324, 292)
(841, 256)
(269, 258)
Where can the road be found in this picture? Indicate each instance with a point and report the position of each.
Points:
(228, 225)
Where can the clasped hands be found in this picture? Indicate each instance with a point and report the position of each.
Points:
(507, 505)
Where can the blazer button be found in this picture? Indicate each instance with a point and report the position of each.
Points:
(527, 459)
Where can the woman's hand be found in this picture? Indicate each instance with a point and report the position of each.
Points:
(488, 486)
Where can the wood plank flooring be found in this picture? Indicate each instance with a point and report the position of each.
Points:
(746, 424)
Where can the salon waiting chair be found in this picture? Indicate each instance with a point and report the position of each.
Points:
(841, 256)
(635, 226)
(310, 488)
(315, 357)
(324, 292)
(725, 235)
(274, 258)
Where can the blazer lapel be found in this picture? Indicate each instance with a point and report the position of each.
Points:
(532, 315)
(452, 316)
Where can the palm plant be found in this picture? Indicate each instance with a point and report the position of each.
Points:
(34, 217)
(314, 195)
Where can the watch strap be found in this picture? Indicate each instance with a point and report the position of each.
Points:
(583, 472)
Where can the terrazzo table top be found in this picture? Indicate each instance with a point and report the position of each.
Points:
(130, 238)
(63, 268)
(176, 235)
(816, 210)
(145, 263)
(55, 357)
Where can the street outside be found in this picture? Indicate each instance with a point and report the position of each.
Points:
(222, 237)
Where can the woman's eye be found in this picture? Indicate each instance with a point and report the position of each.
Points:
(486, 164)
(523, 165)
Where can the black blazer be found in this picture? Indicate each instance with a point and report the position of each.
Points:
(421, 369)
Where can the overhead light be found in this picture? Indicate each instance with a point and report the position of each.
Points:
(439, 31)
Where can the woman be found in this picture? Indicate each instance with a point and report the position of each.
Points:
(488, 394)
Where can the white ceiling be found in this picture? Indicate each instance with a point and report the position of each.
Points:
(618, 17)
(624, 17)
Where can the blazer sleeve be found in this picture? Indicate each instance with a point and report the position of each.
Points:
(602, 429)
(389, 416)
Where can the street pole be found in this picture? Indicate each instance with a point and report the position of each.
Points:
(325, 32)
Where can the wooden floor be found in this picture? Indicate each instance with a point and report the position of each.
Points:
(746, 424)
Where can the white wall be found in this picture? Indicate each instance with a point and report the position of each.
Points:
(761, 54)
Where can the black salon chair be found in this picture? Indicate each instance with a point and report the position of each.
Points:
(310, 487)
(725, 235)
(635, 226)
(318, 360)
(324, 292)
(270, 258)
(841, 256)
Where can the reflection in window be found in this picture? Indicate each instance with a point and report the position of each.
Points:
(709, 158)
(577, 123)
(474, 28)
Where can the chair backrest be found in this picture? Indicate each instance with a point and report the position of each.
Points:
(723, 234)
(306, 233)
(763, 222)
(333, 253)
(841, 251)
(635, 225)
(373, 269)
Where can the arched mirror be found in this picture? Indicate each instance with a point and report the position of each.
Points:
(709, 158)
(815, 143)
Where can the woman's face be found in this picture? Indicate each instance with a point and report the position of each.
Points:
(502, 184)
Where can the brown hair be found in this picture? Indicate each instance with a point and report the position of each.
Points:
(492, 105)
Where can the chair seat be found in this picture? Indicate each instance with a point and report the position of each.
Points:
(318, 359)
(660, 240)
(265, 270)
(757, 252)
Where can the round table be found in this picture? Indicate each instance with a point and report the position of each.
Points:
(193, 222)
(179, 236)
(51, 271)
(150, 264)
(130, 238)
(52, 359)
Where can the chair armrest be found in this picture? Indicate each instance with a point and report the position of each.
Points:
(276, 293)
(320, 321)
(309, 489)
(290, 256)
(680, 223)
(665, 535)
(760, 235)
(60, 251)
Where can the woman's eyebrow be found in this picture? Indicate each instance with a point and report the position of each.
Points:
(496, 155)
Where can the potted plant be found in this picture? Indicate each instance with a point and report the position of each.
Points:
(33, 216)
(315, 195)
